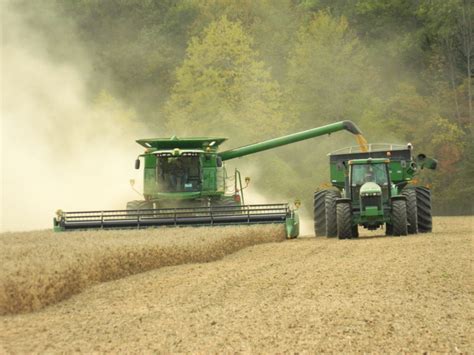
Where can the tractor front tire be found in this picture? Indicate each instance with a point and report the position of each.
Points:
(355, 231)
(399, 218)
(423, 200)
(319, 205)
(344, 220)
(412, 211)
(331, 213)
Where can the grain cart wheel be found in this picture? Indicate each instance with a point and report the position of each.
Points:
(331, 214)
(423, 200)
(319, 213)
(399, 217)
(344, 220)
(412, 212)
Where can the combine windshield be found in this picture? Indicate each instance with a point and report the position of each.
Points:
(178, 174)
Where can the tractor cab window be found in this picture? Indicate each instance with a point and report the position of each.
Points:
(362, 173)
(178, 174)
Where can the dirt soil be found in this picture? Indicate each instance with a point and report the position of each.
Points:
(378, 294)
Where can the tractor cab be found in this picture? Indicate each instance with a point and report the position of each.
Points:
(369, 185)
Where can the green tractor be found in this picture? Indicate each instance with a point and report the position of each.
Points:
(372, 189)
(186, 184)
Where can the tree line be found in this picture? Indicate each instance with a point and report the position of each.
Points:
(251, 70)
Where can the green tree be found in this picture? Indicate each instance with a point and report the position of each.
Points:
(329, 76)
(223, 88)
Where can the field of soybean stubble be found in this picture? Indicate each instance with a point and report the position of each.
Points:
(376, 293)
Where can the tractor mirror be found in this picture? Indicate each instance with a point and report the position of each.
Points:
(137, 164)
(219, 162)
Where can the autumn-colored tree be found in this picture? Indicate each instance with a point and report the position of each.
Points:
(223, 88)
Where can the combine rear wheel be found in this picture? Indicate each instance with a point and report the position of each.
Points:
(139, 205)
(399, 218)
(344, 221)
(331, 214)
(412, 211)
(320, 213)
(423, 200)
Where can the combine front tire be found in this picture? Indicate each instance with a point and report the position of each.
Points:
(320, 213)
(412, 212)
(344, 220)
(399, 218)
(331, 214)
(423, 200)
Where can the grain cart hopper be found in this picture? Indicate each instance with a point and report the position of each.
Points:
(186, 184)
(371, 189)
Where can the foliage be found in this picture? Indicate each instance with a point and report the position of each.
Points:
(223, 87)
(255, 69)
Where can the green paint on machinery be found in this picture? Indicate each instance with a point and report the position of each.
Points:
(185, 182)
(372, 189)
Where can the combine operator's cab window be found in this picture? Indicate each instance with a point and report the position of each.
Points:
(178, 174)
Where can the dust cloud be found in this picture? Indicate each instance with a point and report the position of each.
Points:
(60, 148)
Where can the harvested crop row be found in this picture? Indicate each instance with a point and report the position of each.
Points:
(42, 268)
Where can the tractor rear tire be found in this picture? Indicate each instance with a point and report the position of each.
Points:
(319, 205)
(412, 211)
(344, 220)
(423, 200)
(399, 218)
(331, 214)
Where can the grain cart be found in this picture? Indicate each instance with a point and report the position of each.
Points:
(186, 184)
(371, 189)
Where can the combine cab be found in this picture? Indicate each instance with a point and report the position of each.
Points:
(186, 184)
(372, 189)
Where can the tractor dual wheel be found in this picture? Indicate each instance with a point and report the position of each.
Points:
(331, 213)
(423, 200)
(344, 221)
(412, 211)
(319, 209)
(399, 218)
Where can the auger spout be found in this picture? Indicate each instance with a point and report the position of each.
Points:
(291, 138)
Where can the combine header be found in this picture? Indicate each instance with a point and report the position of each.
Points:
(186, 184)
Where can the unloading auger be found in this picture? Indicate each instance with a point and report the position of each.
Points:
(186, 184)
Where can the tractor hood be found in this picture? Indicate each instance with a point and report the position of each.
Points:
(370, 188)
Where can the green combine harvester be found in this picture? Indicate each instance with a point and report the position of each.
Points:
(186, 184)
(372, 189)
